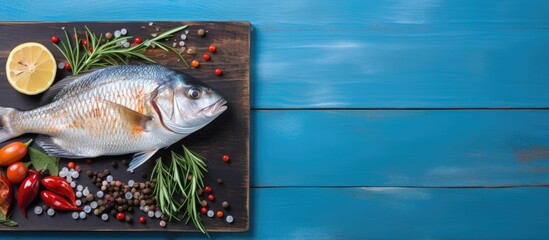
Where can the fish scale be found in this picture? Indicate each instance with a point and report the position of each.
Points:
(117, 110)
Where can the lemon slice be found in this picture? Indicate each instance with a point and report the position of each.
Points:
(30, 68)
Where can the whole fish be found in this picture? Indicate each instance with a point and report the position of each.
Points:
(117, 110)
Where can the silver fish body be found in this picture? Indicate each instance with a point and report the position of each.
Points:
(117, 110)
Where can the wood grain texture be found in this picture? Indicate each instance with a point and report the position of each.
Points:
(368, 54)
(377, 213)
(228, 134)
(400, 148)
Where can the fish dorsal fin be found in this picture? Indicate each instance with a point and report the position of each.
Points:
(72, 84)
(52, 92)
(138, 120)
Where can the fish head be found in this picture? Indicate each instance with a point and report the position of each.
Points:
(186, 104)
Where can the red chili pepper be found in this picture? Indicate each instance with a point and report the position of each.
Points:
(28, 191)
(57, 202)
(6, 195)
(59, 186)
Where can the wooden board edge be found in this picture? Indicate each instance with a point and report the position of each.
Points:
(245, 227)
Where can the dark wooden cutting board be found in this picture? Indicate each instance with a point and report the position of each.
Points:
(228, 134)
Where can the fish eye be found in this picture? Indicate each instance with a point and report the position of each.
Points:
(194, 93)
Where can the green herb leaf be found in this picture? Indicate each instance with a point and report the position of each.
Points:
(9, 223)
(182, 177)
(111, 52)
(41, 160)
(5, 221)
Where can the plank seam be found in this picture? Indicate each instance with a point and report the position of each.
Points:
(411, 109)
(411, 187)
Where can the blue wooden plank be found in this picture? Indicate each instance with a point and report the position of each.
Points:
(366, 54)
(401, 69)
(292, 15)
(388, 213)
(399, 148)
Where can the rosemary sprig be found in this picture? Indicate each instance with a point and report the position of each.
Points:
(100, 53)
(182, 177)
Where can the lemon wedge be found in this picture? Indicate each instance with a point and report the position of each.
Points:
(31, 68)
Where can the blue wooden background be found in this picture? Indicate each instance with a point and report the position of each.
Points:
(380, 119)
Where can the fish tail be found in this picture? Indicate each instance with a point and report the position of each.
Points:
(6, 131)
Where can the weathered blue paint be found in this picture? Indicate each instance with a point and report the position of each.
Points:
(377, 54)
(400, 148)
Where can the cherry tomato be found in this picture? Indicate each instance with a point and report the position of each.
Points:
(218, 71)
(211, 197)
(13, 152)
(219, 214)
(17, 172)
(120, 216)
(203, 210)
(225, 158)
(67, 66)
(212, 48)
(142, 219)
(138, 40)
(208, 189)
(85, 42)
(206, 56)
(54, 39)
(195, 63)
(71, 165)
(90, 49)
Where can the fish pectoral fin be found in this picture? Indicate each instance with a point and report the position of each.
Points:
(138, 120)
(140, 158)
(48, 144)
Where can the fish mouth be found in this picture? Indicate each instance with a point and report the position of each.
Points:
(215, 109)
